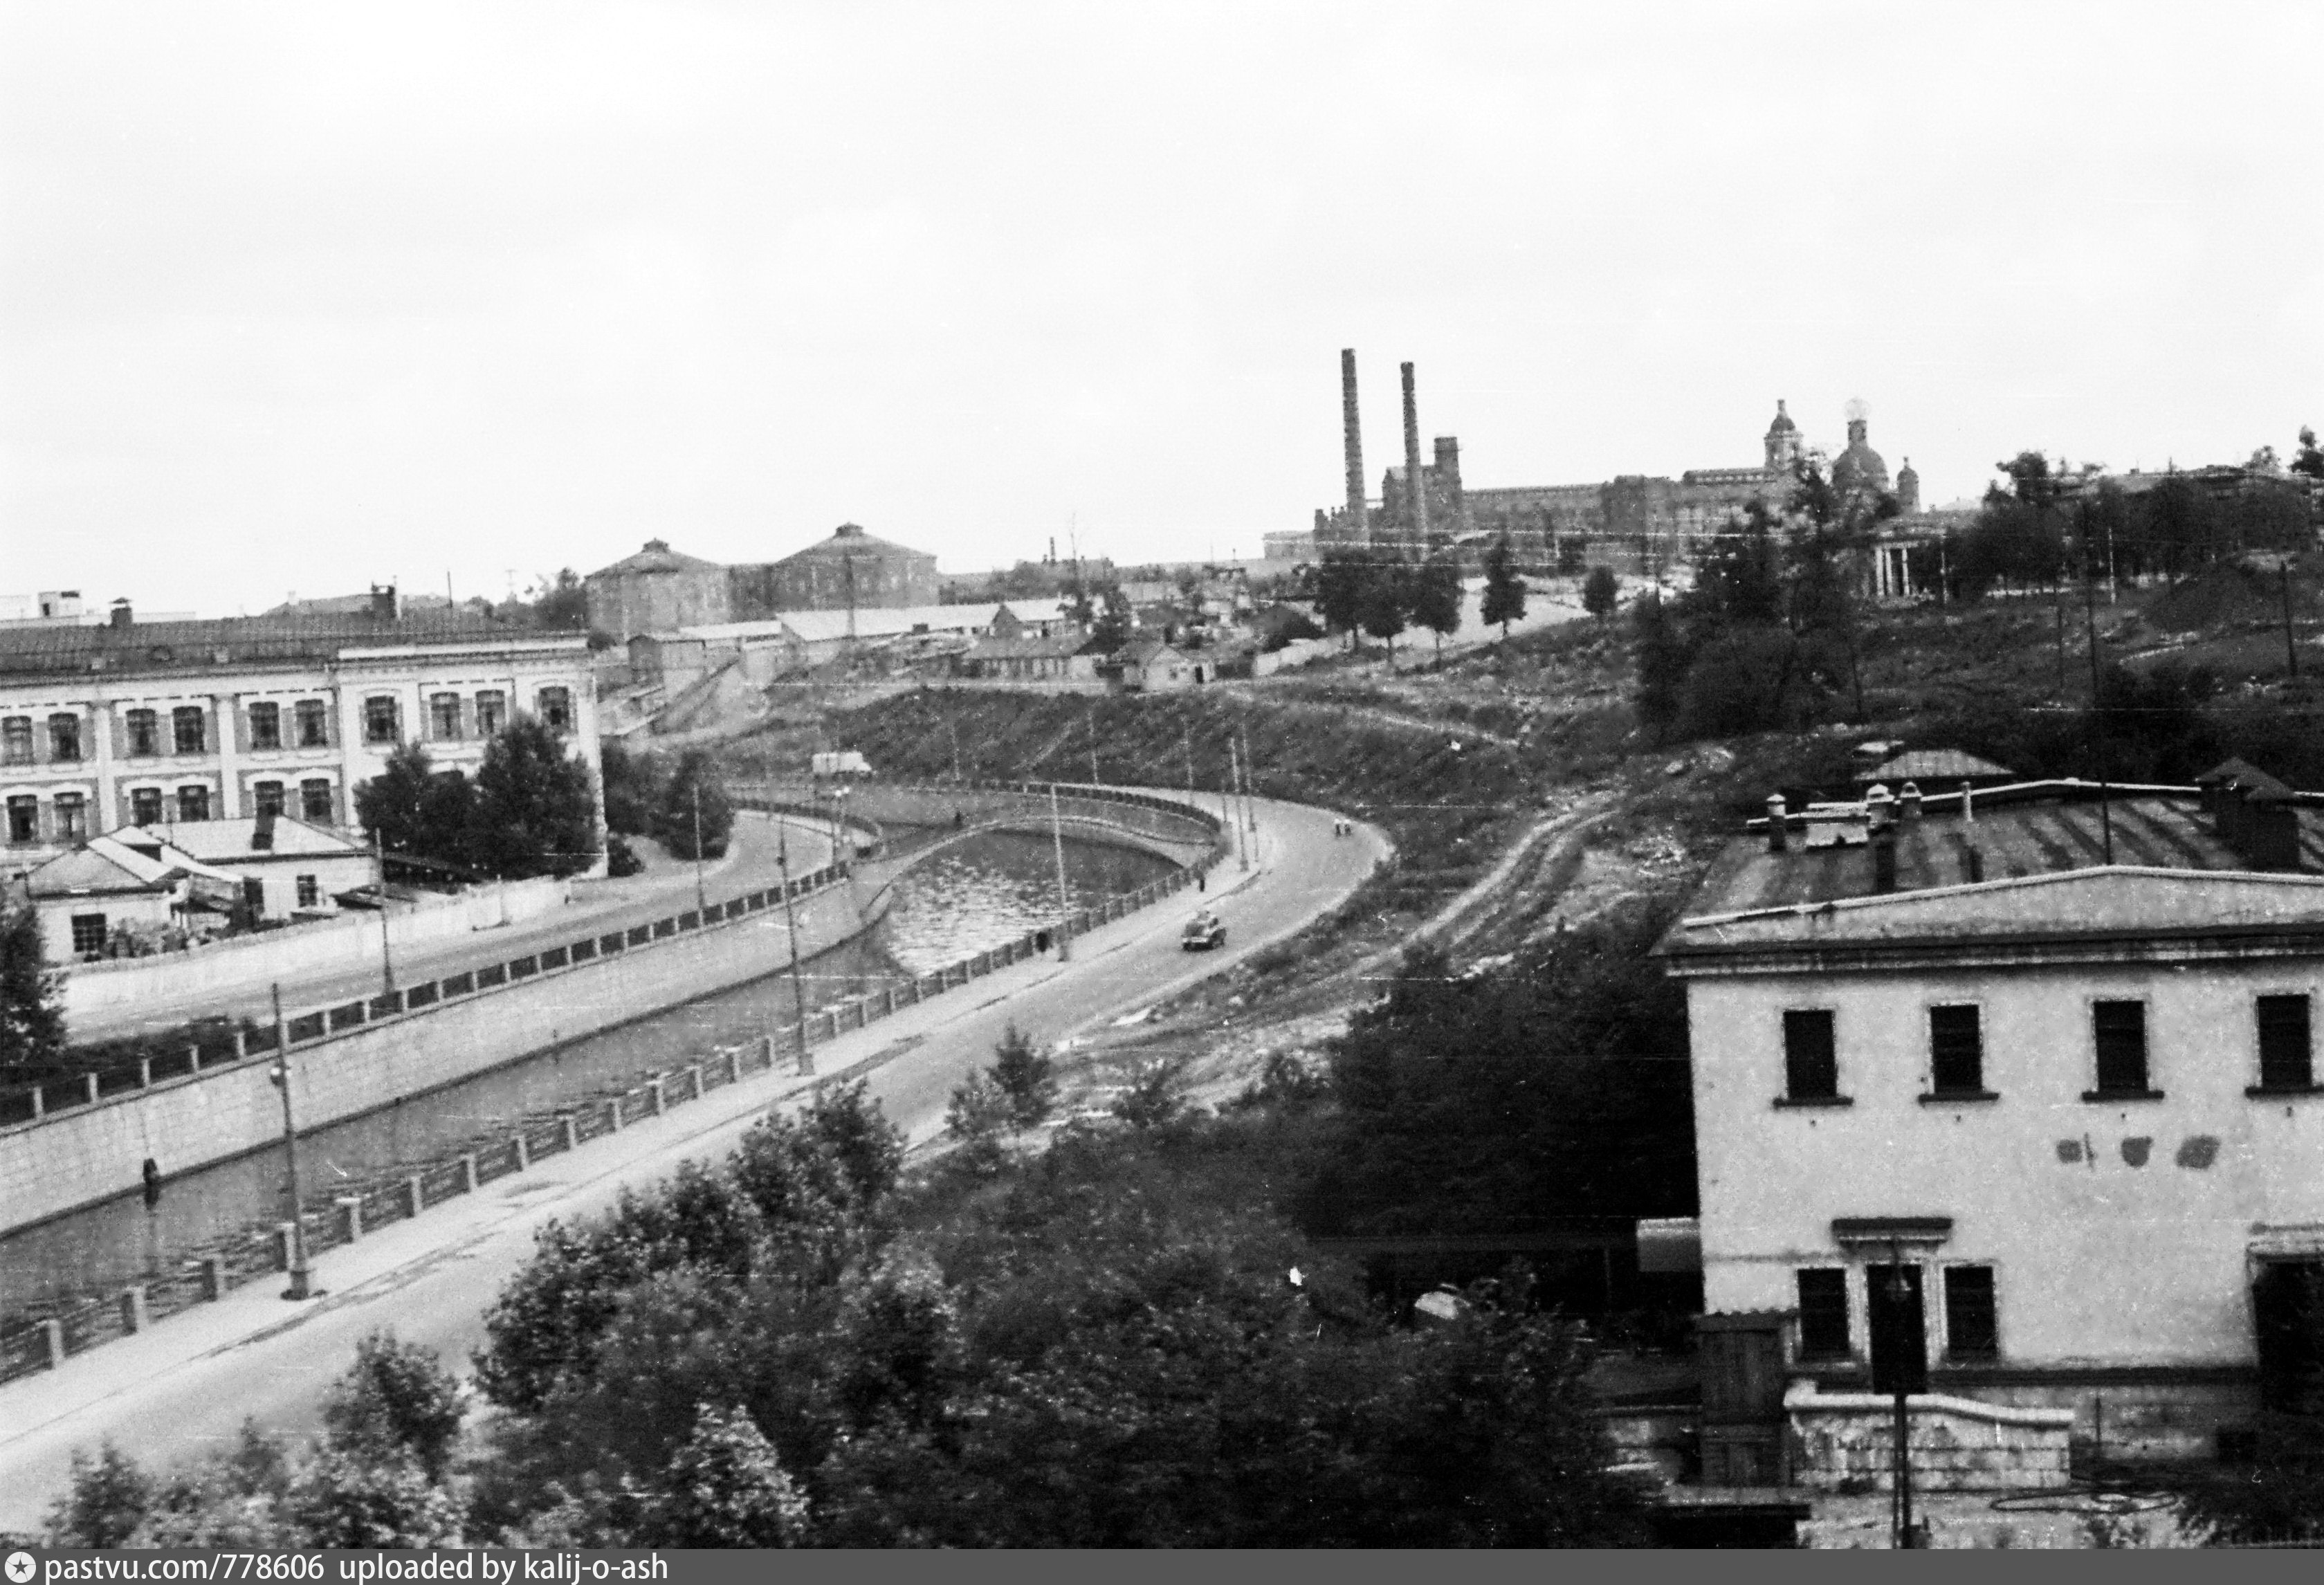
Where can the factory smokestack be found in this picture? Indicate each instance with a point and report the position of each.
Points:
(1351, 431)
(1413, 491)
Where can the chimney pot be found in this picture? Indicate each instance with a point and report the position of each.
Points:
(1776, 832)
(121, 616)
(1911, 800)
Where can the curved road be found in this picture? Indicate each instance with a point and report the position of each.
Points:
(184, 1386)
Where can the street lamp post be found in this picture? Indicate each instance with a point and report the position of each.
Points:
(379, 878)
(1064, 904)
(840, 853)
(790, 927)
(299, 1288)
(1907, 1372)
(701, 900)
(1234, 816)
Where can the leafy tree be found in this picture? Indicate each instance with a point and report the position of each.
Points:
(1572, 555)
(726, 1488)
(1505, 592)
(1662, 657)
(634, 790)
(1025, 1077)
(1153, 1097)
(1115, 620)
(1740, 577)
(1602, 591)
(1341, 584)
(411, 808)
(1435, 595)
(107, 1498)
(536, 809)
(2308, 460)
(1387, 602)
(31, 993)
(675, 819)
(344, 1501)
(395, 1402)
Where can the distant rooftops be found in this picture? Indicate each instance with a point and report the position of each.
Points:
(123, 644)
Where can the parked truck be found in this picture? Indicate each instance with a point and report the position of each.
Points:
(841, 762)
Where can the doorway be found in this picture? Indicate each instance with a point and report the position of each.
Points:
(2287, 1311)
(1900, 1339)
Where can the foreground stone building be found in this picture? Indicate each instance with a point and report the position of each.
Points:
(2043, 1055)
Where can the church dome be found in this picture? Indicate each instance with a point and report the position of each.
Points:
(1783, 424)
(1860, 467)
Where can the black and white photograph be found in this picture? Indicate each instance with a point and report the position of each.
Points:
(1019, 775)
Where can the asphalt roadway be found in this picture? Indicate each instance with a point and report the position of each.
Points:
(598, 906)
(184, 1386)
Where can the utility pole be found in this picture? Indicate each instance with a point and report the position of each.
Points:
(790, 929)
(1093, 731)
(1249, 774)
(379, 876)
(953, 729)
(2097, 721)
(299, 1288)
(1057, 839)
(1186, 737)
(2291, 651)
(701, 900)
(1901, 1529)
(1234, 816)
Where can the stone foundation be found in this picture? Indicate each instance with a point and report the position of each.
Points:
(1956, 1445)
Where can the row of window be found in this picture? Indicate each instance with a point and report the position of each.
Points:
(149, 805)
(449, 720)
(1972, 1317)
(2118, 1066)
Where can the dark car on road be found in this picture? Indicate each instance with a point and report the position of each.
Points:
(1204, 931)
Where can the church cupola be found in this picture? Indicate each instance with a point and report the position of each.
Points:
(1782, 441)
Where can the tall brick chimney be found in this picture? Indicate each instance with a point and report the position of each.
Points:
(1414, 491)
(1352, 432)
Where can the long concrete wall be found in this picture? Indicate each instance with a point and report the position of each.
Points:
(358, 1058)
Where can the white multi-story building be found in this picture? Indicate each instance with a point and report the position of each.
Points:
(2043, 1070)
(159, 724)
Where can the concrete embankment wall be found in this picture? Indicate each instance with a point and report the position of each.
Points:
(363, 1055)
(1165, 817)
(245, 961)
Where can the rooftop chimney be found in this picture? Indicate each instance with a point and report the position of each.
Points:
(1880, 821)
(1776, 833)
(121, 614)
(1352, 439)
(1414, 492)
(1969, 833)
(1910, 800)
(382, 602)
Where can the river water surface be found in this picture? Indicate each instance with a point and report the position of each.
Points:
(987, 890)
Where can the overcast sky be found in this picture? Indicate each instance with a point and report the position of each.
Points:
(295, 297)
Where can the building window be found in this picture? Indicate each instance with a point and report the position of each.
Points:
(379, 719)
(1823, 1314)
(72, 817)
(315, 800)
(23, 820)
(190, 728)
(1971, 1329)
(145, 805)
(444, 717)
(145, 733)
(311, 892)
(89, 935)
(2284, 1052)
(266, 725)
(16, 740)
(1956, 1051)
(2120, 1029)
(1811, 1064)
(193, 804)
(556, 709)
(267, 798)
(492, 712)
(64, 736)
(312, 732)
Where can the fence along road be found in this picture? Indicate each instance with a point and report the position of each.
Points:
(182, 1388)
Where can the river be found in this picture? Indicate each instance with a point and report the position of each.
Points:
(987, 890)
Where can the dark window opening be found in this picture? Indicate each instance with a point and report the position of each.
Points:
(556, 709)
(1972, 1329)
(23, 820)
(313, 733)
(315, 800)
(492, 712)
(265, 726)
(64, 737)
(72, 817)
(189, 730)
(2284, 1062)
(145, 733)
(1811, 1063)
(16, 740)
(444, 717)
(267, 799)
(2120, 1029)
(379, 719)
(1956, 1051)
(89, 935)
(311, 892)
(1823, 1314)
(145, 807)
(193, 804)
